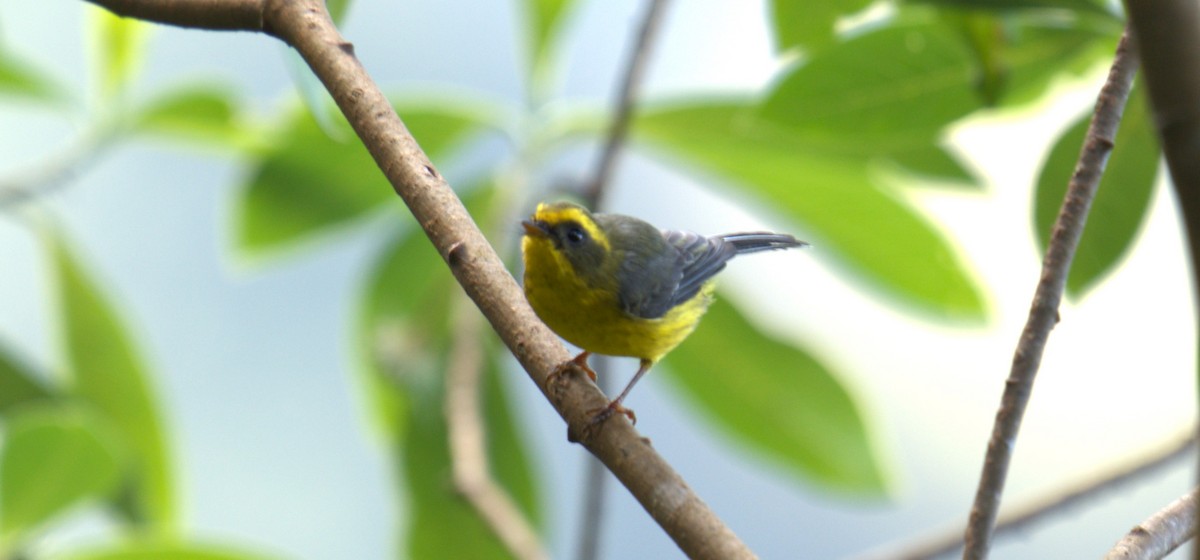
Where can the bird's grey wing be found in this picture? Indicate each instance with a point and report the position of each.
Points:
(700, 258)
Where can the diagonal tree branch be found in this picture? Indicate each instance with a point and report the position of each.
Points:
(1162, 533)
(1043, 313)
(306, 26)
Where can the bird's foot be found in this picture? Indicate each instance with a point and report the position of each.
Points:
(578, 363)
(601, 415)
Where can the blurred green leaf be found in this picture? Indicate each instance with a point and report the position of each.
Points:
(119, 49)
(1017, 57)
(508, 452)
(1121, 201)
(165, 551)
(934, 162)
(107, 373)
(404, 324)
(777, 399)
(1099, 7)
(337, 9)
(443, 525)
(22, 79)
(52, 459)
(848, 214)
(810, 25)
(404, 319)
(544, 17)
(200, 112)
(882, 91)
(405, 339)
(19, 384)
(308, 182)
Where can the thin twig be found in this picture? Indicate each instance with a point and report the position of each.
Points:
(1043, 313)
(1162, 533)
(1023, 516)
(468, 440)
(635, 69)
(307, 27)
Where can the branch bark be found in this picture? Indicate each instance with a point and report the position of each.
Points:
(1043, 313)
(306, 26)
(1162, 533)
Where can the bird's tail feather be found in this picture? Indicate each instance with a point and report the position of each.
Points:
(753, 242)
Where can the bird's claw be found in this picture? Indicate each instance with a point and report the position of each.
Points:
(578, 363)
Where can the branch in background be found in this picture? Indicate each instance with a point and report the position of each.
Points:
(1162, 533)
(468, 443)
(55, 172)
(635, 69)
(1034, 511)
(306, 26)
(1043, 313)
(594, 477)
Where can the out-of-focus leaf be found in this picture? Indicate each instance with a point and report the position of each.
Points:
(310, 182)
(52, 459)
(337, 9)
(544, 17)
(107, 373)
(1121, 200)
(934, 162)
(1036, 54)
(19, 385)
(810, 25)
(848, 214)
(404, 324)
(119, 49)
(197, 113)
(777, 399)
(404, 319)
(313, 95)
(20, 78)
(165, 551)
(406, 335)
(1098, 7)
(1017, 57)
(508, 452)
(443, 525)
(882, 91)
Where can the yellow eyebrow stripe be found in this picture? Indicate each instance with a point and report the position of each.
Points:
(555, 214)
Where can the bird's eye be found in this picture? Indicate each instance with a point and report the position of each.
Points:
(575, 235)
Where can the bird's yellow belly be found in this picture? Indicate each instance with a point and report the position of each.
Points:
(592, 318)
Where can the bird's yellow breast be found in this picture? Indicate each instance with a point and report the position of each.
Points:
(591, 317)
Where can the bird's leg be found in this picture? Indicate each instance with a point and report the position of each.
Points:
(578, 362)
(614, 406)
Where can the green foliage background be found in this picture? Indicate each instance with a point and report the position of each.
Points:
(861, 105)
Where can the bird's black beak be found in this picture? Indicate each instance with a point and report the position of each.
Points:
(536, 228)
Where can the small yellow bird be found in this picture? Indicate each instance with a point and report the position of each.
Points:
(616, 285)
